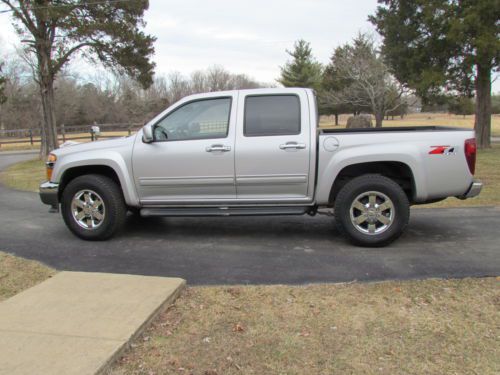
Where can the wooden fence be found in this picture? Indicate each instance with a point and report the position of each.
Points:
(67, 133)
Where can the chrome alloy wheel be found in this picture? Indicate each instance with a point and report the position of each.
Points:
(87, 208)
(372, 212)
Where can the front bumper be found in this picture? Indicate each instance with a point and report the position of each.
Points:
(49, 195)
(474, 190)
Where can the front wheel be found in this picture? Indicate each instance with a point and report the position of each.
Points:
(372, 210)
(93, 207)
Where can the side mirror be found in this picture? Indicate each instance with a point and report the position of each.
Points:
(147, 134)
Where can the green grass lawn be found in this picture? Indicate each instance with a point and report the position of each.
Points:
(28, 175)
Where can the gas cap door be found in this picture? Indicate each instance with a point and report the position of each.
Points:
(331, 144)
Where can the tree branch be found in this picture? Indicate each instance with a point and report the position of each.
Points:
(65, 57)
(23, 17)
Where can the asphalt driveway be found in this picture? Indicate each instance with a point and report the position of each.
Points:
(240, 250)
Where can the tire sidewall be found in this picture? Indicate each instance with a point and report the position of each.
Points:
(365, 184)
(99, 184)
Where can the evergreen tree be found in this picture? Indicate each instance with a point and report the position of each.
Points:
(303, 70)
(438, 46)
(495, 104)
(461, 106)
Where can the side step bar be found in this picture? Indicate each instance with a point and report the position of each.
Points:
(224, 211)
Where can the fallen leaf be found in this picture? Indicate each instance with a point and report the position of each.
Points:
(238, 328)
(173, 362)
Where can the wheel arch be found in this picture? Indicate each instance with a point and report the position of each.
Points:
(397, 171)
(111, 171)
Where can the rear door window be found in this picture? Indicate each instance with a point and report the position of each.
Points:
(268, 115)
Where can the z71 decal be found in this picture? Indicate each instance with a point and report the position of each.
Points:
(442, 150)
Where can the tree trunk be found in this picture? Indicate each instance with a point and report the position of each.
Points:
(44, 150)
(336, 119)
(482, 123)
(49, 141)
(46, 83)
(379, 118)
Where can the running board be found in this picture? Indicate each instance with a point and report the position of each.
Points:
(224, 211)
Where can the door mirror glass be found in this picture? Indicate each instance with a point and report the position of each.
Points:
(147, 134)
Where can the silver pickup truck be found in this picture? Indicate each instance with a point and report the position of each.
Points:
(260, 152)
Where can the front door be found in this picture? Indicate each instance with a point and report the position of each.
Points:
(192, 156)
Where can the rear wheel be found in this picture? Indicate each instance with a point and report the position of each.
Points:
(93, 207)
(372, 210)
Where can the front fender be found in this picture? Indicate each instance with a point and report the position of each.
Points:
(109, 158)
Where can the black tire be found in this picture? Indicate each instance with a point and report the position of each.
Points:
(358, 187)
(114, 205)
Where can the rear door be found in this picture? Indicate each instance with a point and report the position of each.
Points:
(272, 160)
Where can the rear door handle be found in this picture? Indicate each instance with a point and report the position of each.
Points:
(292, 146)
(218, 148)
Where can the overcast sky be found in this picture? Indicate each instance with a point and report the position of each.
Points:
(250, 36)
(244, 36)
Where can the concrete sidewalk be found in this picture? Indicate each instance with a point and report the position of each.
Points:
(77, 323)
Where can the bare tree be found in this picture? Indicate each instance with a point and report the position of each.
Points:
(367, 81)
(242, 81)
(178, 87)
(99, 97)
(2, 85)
(199, 82)
(218, 78)
(22, 105)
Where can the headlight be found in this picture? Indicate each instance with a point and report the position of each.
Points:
(51, 160)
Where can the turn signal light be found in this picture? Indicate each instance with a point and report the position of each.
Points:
(49, 165)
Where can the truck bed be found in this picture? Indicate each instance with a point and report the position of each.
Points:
(394, 129)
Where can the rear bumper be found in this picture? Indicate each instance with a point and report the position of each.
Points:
(474, 190)
(49, 194)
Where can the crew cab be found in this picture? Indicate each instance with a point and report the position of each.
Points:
(260, 152)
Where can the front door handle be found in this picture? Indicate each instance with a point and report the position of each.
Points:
(292, 146)
(218, 148)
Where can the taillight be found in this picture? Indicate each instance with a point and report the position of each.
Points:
(470, 150)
